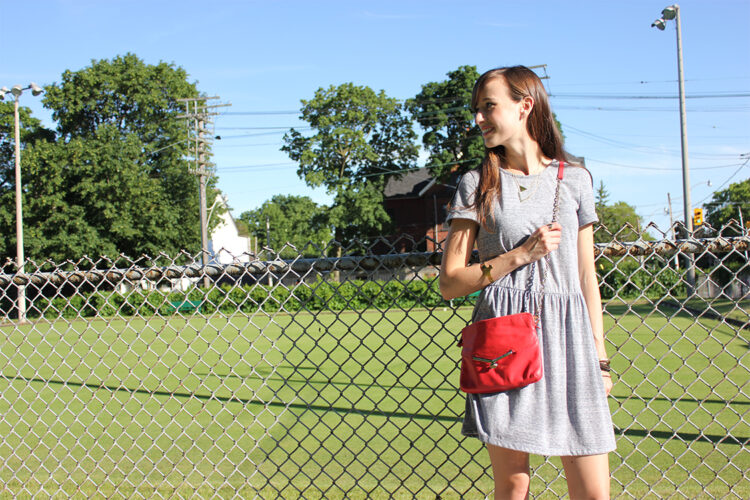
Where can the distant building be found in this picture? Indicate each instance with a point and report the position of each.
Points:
(417, 205)
(226, 245)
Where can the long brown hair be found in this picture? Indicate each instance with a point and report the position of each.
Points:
(540, 124)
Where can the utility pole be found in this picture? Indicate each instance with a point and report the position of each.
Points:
(674, 232)
(742, 226)
(669, 13)
(268, 245)
(198, 113)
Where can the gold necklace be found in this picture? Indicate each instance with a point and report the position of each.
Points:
(530, 190)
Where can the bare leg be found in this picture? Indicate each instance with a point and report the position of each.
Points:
(510, 468)
(588, 476)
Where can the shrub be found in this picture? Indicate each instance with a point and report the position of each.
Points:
(316, 296)
(629, 278)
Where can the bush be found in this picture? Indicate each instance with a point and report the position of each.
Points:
(629, 278)
(316, 296)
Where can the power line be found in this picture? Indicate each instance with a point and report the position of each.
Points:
(726, 181)
(714, 95)
(645, 167)
(645, 82)
(258, 134)
(450, 111)
(257, 165)
(431, 165)
(258, 113)
(171, 145)
(263, 128)
(721, 94)
(640, 148)
(225, 146)
(713, 109)
(718, 188)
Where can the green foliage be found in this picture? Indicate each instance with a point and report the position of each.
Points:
(126, 93)
(31, 130)
(361, 138)
(630, 278)
(726, 273)
(442, 109)
(113, 179)
(618, 221)
(296, 220)
(320, 295)
(358, 211)
(95, 196)
(727, 204)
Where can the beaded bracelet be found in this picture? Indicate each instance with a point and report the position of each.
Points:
(604, 365)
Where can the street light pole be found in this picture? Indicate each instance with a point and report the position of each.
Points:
(673, 12)
(17, 90)
(20, 260)
(683, 128)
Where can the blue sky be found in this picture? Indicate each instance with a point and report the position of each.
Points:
(604, 61)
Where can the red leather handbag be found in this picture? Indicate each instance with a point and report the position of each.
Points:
(500, 354)
(503, 353)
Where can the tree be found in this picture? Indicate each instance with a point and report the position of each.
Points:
(358, 211)
(293, 220)
(451, 137)
(614, 219)
(728, 204)
(31, 130)
(113, 179)
(601, 196)
(361, 139)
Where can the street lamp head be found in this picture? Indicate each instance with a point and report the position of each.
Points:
(16, 90)
(3, 91)
(659, 23)
(35, 89)
(670, 12)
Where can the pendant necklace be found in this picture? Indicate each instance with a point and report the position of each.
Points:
(529, 191)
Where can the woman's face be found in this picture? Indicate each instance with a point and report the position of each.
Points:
(497, 115)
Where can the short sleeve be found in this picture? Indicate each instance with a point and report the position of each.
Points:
(586, 206)
(463, 198)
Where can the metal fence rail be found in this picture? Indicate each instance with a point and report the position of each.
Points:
(337, 377)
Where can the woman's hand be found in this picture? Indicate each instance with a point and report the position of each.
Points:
(607, 378)
(544, 240)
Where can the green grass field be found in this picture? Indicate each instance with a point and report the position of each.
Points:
(340, 405)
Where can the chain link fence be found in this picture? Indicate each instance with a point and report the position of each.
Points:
(336, 377)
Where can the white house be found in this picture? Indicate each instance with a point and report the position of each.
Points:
(225, 245)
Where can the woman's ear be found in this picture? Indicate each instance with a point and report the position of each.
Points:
(527, 104)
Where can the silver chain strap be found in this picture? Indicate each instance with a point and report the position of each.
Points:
(540, 300)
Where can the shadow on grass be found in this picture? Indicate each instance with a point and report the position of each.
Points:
(683, 436)
(686, 436)
(324, 381)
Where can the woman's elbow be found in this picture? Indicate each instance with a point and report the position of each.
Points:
(589, 279)
(446, 290)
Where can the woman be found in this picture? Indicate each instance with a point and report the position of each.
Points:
(505, 207)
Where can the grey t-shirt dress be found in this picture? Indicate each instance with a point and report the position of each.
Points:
(565, 413)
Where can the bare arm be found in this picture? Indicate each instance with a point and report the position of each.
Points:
(458, 278)
(590, 289)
